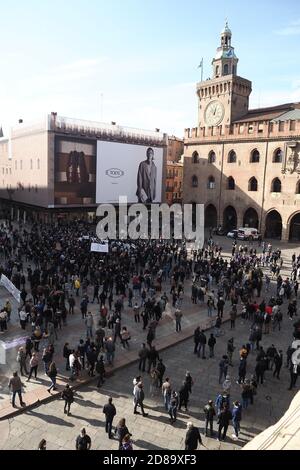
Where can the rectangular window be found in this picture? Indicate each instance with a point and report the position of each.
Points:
(250, 130)
(281, 125)
(292, 125)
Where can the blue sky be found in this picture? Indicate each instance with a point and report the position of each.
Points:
(142, 56)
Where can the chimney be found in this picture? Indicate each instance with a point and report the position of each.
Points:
(20, 121)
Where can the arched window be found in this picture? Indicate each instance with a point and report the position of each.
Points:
(252, 185)
(276, 186)
(194, 181)
(217, 70)
(298, 188)
(226, 69)
(230, 183)
(277, 156)
(211, 183)
(211, 157)
(255, 156)
(195, 157)
(233, 70)
(232, 157)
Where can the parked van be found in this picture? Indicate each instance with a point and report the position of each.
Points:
(248, 233)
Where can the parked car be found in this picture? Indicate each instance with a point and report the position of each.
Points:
(248, 233)
(233, 234)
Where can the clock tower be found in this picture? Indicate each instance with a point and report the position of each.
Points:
(224, 98)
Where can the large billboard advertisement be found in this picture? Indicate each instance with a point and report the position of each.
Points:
(75, 172)
(128, 170)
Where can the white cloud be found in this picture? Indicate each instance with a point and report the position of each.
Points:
(293, 29)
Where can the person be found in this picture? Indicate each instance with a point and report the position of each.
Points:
(161, 369)
(109, 346)
(121, 431)
(211, 344)
(136, 311)
(202, 343)
(68, 395)
(178, 318)
(83, 441)
(110, 412)
(210, 412)
(100, 369)
(221, 400)
(230, 350)
(21, 359)
(236, 418)
(278, 361)
(71, 302)
(127, 443)
(89, 322)
(183, 396)
(23, 318)
(192, 437)
(125, 335)
(146, 179)
(224, 418)
(242, 370)
(227, 385)
(15, 385)
(223, 368)
(66, 354)
(189, 381)
(139, 399)
(166, 392)
(143, 355)
(52, 373)
(34, 362)
(42, 445)
(246, 393)
(153, 356)
(233, 315)
(172, 407)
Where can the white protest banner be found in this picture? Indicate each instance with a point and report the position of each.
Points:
(5, 282)
(99, 248)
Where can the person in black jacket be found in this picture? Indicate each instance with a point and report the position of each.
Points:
(224, 417)
(196, 339)
(153, 356)
(192, 437)
(100, 369)
(183, 396)
(143, 354)
(68, 395)
(121, 431)
(110, 411)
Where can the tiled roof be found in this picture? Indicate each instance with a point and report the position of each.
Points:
(268, 114)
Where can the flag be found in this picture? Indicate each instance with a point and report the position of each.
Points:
(201, 64)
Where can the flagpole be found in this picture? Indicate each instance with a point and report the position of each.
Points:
(202, 70)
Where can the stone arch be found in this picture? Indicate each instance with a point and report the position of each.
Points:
(273, 224)
(210, 216)
(230, 218)
(294, 227)
(250, 218)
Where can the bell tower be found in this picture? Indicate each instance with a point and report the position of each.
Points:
(225, 97)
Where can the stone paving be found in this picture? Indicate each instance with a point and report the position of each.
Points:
(48, 420)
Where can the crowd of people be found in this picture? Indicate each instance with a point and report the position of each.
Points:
(57, 275)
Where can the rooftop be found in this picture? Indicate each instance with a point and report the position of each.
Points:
(270, 113)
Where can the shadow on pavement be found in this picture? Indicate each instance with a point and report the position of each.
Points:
(50, 419)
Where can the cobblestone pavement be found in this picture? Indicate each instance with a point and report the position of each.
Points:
(155, 431)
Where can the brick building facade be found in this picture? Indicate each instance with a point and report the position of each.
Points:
(244, 165)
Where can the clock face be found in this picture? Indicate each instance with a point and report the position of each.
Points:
(214, 113)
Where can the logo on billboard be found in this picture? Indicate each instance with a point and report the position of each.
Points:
(114, 173)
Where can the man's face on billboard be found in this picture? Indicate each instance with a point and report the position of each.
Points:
(150, 155)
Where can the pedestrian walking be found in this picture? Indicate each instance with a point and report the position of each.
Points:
(110, 412)
(139, 399)
(236, 418)
(192, 437)
(68, 395)
(278, 361)
(34, 363)
(42, 445)
(166, 392)
(178, 318)
(52, 373)
(127, 443)
(15, 385)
